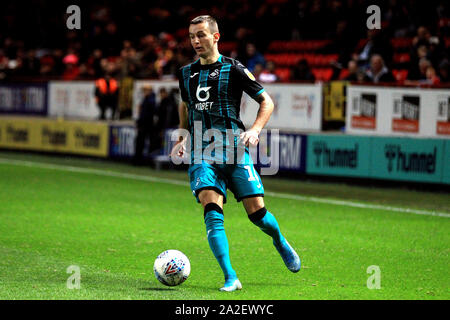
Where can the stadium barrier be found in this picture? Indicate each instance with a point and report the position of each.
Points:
(24, 98)
(391, 133)
(390, 111)
(122, 141)
(334, 101)
(334, 155)
(74, 99)
(365, 110)
(58, 136)
(387, 158)
(297, 107)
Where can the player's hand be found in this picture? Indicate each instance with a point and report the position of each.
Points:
(250, 137)
(179, 149)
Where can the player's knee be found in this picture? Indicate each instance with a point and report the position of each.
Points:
(258, 214)
(207, 196)
(213, 216)
(253, 204)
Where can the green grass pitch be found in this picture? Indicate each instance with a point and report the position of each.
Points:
(112, 220)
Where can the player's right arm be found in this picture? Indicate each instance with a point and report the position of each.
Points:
(183, 115)
(179, 148)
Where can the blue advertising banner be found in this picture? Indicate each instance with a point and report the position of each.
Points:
(408, 159)
(292, 152)
(23, 99)
(446, 163)
(122, 139)
(338, 155)
(280, 152)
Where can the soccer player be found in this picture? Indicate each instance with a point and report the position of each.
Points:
(211, 90)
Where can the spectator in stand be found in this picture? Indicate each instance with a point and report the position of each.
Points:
(72, 70)
(145, 124)
(47, 64)
(111, 40)
(377, 43)
(95, 61)
(419, 71)
(436, 51)
(414, 72)
(353, 69)
(444, 71)
(129, 60)
(302, 71)
(257, 70)
(432, 77)
(378, 72)
(252, 57)
(167, 112)
(360, 76)
(268, 74)
(422, 37)
(3, 64)
(58, 66)
(30, 64)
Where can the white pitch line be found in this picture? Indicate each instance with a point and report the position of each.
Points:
(186, 184)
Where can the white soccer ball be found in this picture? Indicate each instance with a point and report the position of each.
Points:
(172, 268)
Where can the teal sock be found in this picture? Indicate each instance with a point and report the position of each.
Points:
(217, 239)
(268, 224)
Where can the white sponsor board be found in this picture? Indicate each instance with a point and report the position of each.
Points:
(73, 99)
(396, 111)
(155, 84)
(297, 107)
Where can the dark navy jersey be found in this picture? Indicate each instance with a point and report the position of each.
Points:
(213, 93)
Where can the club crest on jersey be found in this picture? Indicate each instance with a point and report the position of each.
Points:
(249, 74)
(214, 75)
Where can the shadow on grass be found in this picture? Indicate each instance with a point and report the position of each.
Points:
(156, 289)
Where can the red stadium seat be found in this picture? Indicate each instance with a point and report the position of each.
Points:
(284, 59)
(444, 22)
(360, 45)
(283, 73)
(401, 58)
(401, 44)
(447, 42)
(400, 74)
(343, 74)
(227, 46)
(296, 45)
(322, 74)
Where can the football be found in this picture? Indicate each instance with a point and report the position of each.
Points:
(172, 268)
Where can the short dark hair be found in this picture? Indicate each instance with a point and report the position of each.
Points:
(212, 23)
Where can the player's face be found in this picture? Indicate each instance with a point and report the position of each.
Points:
(202, 40)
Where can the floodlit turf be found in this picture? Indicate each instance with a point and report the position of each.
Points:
(114, 227)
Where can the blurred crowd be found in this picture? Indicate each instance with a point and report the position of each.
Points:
(142, 39)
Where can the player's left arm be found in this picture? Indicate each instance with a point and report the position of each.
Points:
(247, 81)
(266, 106)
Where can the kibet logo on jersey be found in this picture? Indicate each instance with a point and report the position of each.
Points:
(202, 95)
